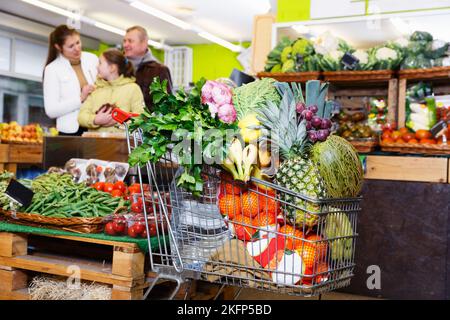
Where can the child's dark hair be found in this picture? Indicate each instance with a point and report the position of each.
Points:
(125, 67)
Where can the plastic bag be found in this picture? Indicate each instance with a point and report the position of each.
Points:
(420, 108)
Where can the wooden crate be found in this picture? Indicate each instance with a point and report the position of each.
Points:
(352, 76)
(125, 273)
(421, 169)
(438, 76)
(291, 76)
(13, 154)
(345, 91)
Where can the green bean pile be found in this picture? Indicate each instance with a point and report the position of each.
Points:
(5, 202)
(50, 182)
(75, 201)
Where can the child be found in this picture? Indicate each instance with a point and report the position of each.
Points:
(116, 86)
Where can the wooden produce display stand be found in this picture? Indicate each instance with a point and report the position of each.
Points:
(438, 76)
(291, 76)
(13, 154)
(125, 273)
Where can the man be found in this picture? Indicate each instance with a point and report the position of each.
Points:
(147, 67)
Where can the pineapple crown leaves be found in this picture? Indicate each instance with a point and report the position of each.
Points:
(315, 95)
(279, 123)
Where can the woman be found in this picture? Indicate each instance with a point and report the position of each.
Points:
(116, 86)
(69, 76)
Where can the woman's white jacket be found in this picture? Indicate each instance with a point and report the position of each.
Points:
(62, 92)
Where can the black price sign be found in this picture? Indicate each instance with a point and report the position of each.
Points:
(349, 61)
(19, 193)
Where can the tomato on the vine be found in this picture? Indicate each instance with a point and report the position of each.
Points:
(99, 186)
(120, 185)
(116, 193)
(109, 187)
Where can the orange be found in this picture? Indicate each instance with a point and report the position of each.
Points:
(396, 135)
(312, 252)
(423, 134)
(250, 204)
(230, 205)
(413, 141)
(263, 220)
(403, 130)
(408, 136)
(293, 236)
(386, 134)
(387, 140)
(400, 140)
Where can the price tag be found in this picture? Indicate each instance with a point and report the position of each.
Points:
(19, 193)
(349, 61)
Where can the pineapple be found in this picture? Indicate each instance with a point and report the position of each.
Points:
(297, 172)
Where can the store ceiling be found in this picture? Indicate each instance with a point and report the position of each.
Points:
(231, 20)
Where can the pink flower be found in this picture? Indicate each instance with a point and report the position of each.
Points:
(207, 91)
(213, 109)
(227, 113)
(221, 94)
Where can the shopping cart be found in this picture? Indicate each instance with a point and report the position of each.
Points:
(255, 235)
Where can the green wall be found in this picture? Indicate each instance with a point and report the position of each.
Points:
(293, 10)
(213, 61)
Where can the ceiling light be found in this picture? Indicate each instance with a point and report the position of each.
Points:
(301, 29)
(53, 8)
(89, 21)
(220, 41)
(159, 14)
(400, 24)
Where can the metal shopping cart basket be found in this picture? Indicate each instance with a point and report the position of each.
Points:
(255, 235)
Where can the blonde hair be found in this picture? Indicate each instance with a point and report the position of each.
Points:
(143, 35)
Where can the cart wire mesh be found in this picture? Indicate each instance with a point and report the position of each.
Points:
(257, 235)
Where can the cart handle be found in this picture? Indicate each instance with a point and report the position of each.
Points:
(122, 116)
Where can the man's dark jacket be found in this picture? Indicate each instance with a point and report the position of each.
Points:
(145, 74)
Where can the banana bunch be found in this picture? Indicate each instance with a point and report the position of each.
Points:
(338, 225)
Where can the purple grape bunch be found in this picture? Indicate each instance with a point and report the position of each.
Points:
(318, 129)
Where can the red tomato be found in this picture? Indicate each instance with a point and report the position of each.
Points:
(139, 227)
(132, 232)
(126, 197)
(116, 193)
(144, 234)
(99, 186)
(99, 169)
(134, 188)
(109, 229)
(136, 207)
(109, 187)
(120, 185)
(120, 225)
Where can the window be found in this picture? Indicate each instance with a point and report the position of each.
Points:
(29, 58)
(5, 53)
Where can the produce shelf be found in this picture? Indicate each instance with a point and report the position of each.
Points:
(291, 76)
(125, 272)
(13, 154)
(425, 74)
(365, 76)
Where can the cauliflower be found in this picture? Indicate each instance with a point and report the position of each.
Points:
(385, 54)
(326, 43)
(402, 42)
(336, 55)
(362, 56)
